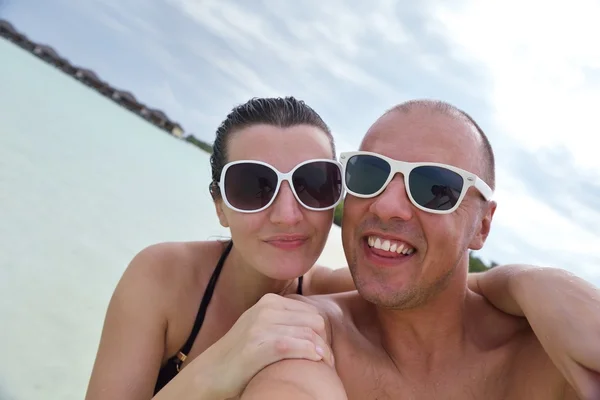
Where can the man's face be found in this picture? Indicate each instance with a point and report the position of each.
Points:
(433, 245)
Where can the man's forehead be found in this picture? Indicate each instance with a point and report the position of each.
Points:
(423, 134)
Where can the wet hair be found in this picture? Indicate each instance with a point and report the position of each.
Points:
(488, 158)
(276, 111)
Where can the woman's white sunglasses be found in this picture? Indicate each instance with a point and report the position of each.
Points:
(250, 186)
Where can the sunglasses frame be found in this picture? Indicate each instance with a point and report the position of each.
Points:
(405, 168)
(281, 177)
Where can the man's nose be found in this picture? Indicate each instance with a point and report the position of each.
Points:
(393, 202)
(285, 208)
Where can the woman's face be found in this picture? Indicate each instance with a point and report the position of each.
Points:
(284, 240)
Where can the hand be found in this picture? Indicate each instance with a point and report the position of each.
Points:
(274, 329)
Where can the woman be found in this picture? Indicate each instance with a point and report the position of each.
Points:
(158, 338)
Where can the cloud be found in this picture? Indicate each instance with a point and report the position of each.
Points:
(544, 65)
(530, 79)
(553, 177)
(336, 55)
(543, 71)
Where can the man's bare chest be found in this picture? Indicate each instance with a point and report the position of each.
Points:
(379, 384)
(369, 374)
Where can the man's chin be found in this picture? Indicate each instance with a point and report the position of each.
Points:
(387, 295)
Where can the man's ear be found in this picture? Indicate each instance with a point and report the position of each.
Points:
(222, 217)
(484, 227)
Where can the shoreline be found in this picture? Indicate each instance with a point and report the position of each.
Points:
(121, 97)
(153, 116)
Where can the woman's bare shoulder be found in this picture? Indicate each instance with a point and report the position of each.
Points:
(173, 265)
(176, 257)
(150, 315)
(171, 277)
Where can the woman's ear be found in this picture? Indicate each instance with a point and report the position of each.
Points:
(220, 213)
(213, 188)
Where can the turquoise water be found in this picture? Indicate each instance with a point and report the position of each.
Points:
(84, 185)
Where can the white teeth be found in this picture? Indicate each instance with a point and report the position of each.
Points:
(389, 245)
(377, 244)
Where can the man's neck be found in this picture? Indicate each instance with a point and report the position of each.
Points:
(246, 284)
(430, 336)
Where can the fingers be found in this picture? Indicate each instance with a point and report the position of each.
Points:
(320, 346)
(290, 346)
(274, 309)
(283, 328)
(314, 321)
(279, 302)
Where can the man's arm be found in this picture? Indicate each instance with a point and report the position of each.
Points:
(296, 380)
(563, 312)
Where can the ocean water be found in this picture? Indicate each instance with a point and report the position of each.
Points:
(84, 185)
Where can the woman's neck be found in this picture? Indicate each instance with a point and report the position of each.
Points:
(246, 284)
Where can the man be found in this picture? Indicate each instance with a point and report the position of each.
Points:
(413, 330)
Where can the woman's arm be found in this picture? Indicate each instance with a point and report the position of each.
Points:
(134, 335)
(298, 379)
(132, 344)
(295, 380)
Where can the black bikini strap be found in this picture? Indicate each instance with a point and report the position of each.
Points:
(299, 290)
(210, 288)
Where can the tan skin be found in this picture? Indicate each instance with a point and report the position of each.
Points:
(154, 305)
(418, 339)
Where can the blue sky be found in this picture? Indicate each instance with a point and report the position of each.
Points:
(528, 72)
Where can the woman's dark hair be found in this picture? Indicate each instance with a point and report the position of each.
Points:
(276, 111)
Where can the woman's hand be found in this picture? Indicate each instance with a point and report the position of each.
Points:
(275, 328)
(563, 311)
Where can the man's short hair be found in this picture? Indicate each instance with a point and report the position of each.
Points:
(488, 159)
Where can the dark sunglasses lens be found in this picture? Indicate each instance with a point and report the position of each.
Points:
(366, 174)
(250, 186)
(318, 184)
(434, 187)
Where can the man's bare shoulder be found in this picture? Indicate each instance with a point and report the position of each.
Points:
(334, 306)
(490, 328)
(534, 373)
(511, 342)
(340, 312)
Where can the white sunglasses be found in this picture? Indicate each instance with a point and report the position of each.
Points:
(431, 187)
(250, 186)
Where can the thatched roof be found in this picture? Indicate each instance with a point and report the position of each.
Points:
(48, 50)
(126, 95)
(84, 72)
(5, 25)
(159, 114)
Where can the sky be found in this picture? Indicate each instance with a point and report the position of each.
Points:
(528, 72)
